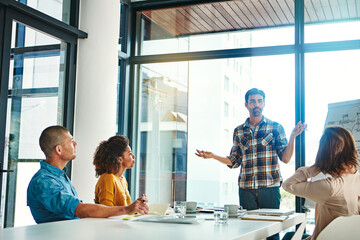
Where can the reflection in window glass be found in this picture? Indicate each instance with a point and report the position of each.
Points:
(36, 38)
(218, 41)
(41, 72)
(231, 24)
(32, 114)
(163, 131)
(59, 9)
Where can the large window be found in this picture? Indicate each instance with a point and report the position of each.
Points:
(181, 110)
(37, 90)
(223, 49)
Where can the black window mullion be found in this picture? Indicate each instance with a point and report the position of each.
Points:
(299, 91)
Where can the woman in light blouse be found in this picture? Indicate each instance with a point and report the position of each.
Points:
(111, 159)
(338, 195)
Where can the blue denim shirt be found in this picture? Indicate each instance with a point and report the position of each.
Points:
(51, 196)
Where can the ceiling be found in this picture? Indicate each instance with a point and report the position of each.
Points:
(248, 14)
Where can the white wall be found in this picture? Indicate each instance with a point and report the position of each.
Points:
(96, 84)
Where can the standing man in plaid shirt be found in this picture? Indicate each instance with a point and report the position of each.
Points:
(257, 145)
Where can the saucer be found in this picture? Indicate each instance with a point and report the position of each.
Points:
(189, 212)
(240, 214)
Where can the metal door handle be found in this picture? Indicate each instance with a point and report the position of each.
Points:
(3, 171)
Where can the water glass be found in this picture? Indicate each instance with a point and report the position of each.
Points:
(180, 208)
(221, 217)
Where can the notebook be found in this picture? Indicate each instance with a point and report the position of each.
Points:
(264, 217)
(271, 212)
(169, 219)
(158, 208)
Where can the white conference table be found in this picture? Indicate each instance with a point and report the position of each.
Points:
(115, 228)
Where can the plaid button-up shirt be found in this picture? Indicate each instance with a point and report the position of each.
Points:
(257, 153)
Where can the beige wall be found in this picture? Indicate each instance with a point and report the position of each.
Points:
(96, 84)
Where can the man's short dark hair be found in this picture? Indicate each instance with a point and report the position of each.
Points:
(51, 137)
(254, 91)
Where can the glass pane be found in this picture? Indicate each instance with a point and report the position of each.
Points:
(331, 21)
(59, 9)
(36, 90)
(237, 24)
(41, 72)
(25, 172)
(163, 131)
(32, 110)
(331, 79)
(339, 72)
(36, 38)
(204, 117)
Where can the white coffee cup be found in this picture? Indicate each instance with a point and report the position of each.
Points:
(232, 209)
(191, 206)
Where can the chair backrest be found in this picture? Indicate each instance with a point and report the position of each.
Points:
(342, 228)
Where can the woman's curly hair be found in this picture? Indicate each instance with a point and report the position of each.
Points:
(106, 156)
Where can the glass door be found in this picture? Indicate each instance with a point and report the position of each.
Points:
(35, 101)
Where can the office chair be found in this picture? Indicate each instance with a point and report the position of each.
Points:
(343, 228)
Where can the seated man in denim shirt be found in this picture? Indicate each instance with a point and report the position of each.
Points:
(52, 197)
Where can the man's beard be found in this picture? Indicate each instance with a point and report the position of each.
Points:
(257, 111)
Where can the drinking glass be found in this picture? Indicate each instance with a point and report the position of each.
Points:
(180, 208)
(221, 217)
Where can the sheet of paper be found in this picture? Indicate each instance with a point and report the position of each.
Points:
(264, 217)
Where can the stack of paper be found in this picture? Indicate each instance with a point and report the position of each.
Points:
(264, 217)
(168, 219)
(267, 214)
(271, 212)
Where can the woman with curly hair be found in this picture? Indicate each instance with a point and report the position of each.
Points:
(335, 196)
(111, 159)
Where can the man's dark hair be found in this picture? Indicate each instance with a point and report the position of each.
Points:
(254, 91)
(51, 137)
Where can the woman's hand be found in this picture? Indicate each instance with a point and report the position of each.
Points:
(139, 206)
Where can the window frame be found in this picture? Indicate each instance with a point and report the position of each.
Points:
(298, 49)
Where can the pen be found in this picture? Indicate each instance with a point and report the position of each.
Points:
(144, 195)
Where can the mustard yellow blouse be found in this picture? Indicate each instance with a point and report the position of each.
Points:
(111, 190)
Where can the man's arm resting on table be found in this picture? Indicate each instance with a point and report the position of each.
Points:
(84, 210)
